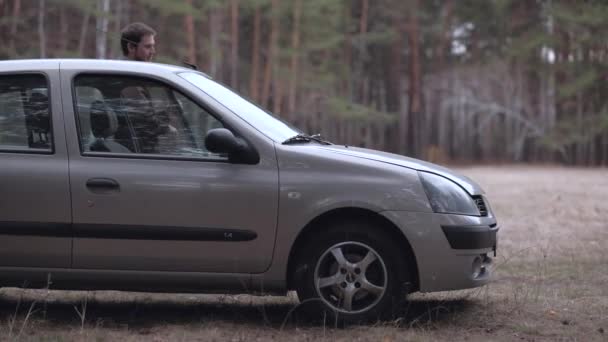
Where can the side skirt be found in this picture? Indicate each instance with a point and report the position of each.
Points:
(139, 281)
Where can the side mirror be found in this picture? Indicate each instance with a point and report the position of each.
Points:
(221, 140)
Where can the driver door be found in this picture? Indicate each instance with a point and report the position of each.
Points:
(147, 195)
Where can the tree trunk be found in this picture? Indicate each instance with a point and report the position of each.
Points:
(295, 55)
(580, 157)
(254, 82)
(440, 80)
(215, 30)
(395, 65)
(41, 28)
(348, 57)
(103, 8)
(271, 57)
(202, 40)
(550, 98)
(444, 38)
(277, 87)
(189, 26)
(213, 53)
(83, 33)
(15, 20)
(604, 160)
(126, 11)
(115, 38)
(234, 43)
(415, 79)
(398, 97)
(63, 40)
(362, 52)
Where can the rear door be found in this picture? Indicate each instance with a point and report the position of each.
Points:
(147, 195)
(35, 213)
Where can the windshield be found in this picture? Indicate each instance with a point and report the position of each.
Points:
(263, 121)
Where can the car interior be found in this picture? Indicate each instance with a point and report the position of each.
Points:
(120, 115)
(25, 112)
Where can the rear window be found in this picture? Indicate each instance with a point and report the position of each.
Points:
(25, 117)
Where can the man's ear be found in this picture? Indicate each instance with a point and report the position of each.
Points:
(131, 46)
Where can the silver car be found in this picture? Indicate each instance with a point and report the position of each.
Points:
(150, 177)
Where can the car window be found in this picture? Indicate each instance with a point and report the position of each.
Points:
(134, 115)
(25, 117)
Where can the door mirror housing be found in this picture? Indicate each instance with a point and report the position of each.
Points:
(221, 140)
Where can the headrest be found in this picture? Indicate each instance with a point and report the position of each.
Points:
(37, 116)
(103, 123)
(38, 103)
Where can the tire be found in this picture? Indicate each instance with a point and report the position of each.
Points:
(352, 272)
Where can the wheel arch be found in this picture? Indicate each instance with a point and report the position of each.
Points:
(318, 224)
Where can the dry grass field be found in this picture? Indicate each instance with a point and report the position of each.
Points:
(551, 285)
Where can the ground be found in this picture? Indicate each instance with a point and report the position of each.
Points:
(551, 284)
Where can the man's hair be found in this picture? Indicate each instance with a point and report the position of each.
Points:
(133, 33)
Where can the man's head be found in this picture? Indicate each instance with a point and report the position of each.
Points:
(137, 42)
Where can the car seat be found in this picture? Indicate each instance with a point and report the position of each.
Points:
(37, 120)
(103, 126)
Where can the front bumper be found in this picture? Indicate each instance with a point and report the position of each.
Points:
(452, 251)
(471, 237)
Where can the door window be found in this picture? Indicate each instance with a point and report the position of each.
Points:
(133, 115)
(25, 117)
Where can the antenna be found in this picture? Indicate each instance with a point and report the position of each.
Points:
(190, 65)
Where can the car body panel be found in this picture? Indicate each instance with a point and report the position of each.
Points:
(390, 158)
(126, 280)
(178, 196)
(139, 237)
(442, 268)
(35, 211)
(314, 182)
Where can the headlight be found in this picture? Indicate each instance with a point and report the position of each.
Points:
(446, 196)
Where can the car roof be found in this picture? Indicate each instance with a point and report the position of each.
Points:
(88, 65)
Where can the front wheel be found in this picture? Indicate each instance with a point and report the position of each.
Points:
(353, 271)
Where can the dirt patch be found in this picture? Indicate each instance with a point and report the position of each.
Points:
(551, 284)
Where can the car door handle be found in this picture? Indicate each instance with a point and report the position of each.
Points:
(102, 184)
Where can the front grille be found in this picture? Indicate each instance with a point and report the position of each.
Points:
(481, 205)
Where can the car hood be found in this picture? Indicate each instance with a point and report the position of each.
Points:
(466, 183)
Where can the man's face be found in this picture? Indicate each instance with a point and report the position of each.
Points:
(144, 51)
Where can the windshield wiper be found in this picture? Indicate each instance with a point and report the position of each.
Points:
(304, 138)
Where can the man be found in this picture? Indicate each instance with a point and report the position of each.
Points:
(137, 42)
(152, 127)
